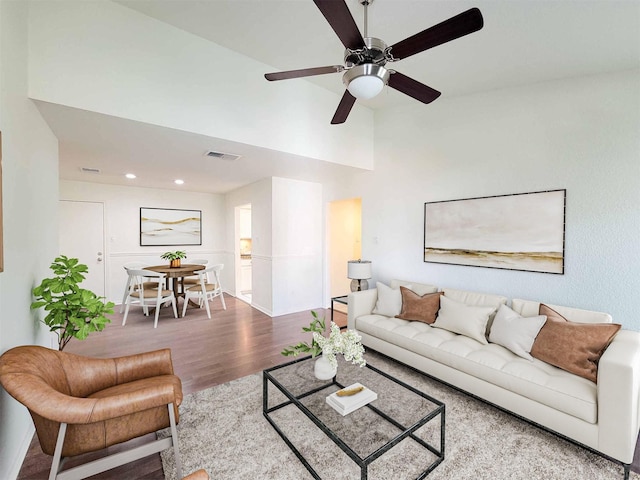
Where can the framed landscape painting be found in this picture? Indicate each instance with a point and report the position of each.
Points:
(168, 226)
(523, 231)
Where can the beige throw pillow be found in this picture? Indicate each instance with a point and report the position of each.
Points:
(463, 319)
(515, 332)
(420, 308)
(389, 302)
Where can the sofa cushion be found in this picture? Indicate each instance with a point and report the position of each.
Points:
(389, 302)
(574, 347)
(421, 308)
(475, 298)
(514, 332)
(493, 363)
(464, 319)
(530, 308)
(419, 288)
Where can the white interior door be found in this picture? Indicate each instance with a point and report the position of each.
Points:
(81, 235)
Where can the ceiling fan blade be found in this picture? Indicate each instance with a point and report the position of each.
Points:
(413, 88)
(455, 27)
(339, 17)
(342, 112)
(304, 72)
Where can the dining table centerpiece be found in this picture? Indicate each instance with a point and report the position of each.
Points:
(174, 258)
(349, 344)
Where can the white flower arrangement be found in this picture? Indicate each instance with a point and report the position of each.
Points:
(347, 343)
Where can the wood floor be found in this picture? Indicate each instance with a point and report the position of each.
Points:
(236, 342)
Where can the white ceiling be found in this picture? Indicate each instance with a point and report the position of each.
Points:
(522, 42)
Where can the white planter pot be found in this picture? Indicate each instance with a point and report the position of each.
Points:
(323, 369)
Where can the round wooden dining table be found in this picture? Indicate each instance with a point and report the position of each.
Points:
(177, 274)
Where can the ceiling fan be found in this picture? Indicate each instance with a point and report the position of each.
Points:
(365, 58)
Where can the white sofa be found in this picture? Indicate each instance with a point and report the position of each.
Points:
(603, 416)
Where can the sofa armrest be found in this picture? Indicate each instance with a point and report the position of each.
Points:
(619, 396)
(360, 303)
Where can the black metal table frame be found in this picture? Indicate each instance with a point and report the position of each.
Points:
(340, 299)
(363, 463)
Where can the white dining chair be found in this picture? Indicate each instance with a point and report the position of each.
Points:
(148, 297)
(193, 280)
(205, 292)
(130, 266)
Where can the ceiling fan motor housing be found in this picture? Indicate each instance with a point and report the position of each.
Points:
(373, 52)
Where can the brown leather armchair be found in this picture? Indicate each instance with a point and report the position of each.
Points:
(197, 475)
(82, 404)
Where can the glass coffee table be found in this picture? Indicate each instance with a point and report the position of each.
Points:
(398, 430)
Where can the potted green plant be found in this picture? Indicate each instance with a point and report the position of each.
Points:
(348, 344)
(174, 257)
(74, 312)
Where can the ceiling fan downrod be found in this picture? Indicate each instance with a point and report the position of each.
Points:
(365, 4)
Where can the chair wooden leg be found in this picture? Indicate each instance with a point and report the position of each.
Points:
(224, 305)
(184, 307)
(174, 436)
(206, 305)
(175, 308)
(126, 312)
(55, 464)
(155, 322)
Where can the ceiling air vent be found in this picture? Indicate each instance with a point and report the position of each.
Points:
(223, 156)
(89, 170)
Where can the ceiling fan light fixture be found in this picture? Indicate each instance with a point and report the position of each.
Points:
(366, 81)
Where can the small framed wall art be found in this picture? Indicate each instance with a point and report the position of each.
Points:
(170, 226)
(522, 231)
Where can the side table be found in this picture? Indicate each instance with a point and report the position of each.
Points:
(343, 299)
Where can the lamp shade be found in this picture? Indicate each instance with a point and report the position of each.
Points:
(365, 81)
(359, 269)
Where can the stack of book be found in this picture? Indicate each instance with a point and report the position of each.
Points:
(351, 398)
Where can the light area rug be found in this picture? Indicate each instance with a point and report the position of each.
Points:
(222, 429)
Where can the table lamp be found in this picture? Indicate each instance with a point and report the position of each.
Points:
(359, 271)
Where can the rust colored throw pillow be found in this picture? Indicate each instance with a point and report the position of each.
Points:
(574, 347)
(419, 308)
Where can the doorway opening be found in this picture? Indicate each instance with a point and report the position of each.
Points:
(243, 252)
(344, 232)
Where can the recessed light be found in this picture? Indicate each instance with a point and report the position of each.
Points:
(178, 182)
(130, 175)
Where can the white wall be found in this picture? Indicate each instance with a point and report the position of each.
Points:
(297, 246)
(30, 193)
(580, 134)
(83, 53)
(122, 226)
(287, 239)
